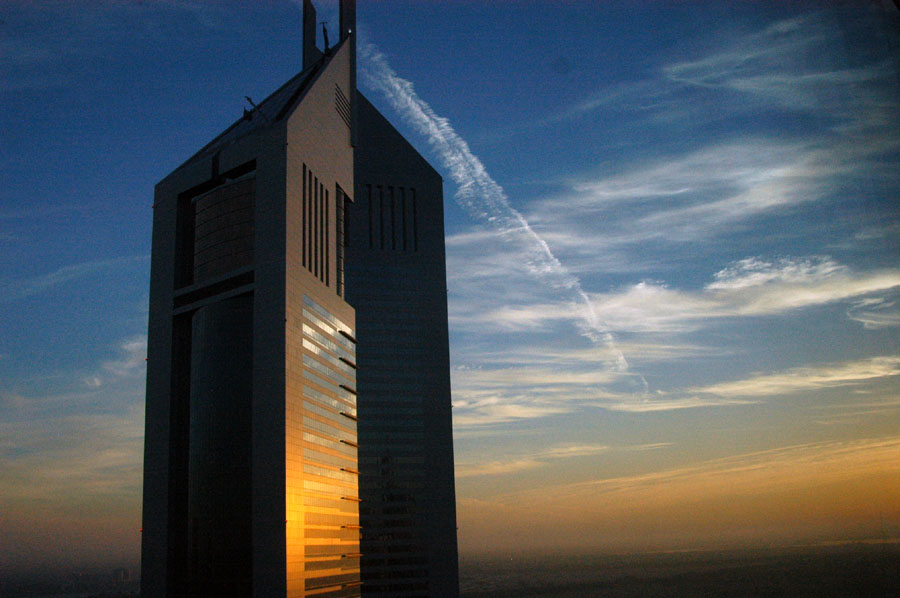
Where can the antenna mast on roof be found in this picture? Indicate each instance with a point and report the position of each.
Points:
(325, 34)
(248, 114)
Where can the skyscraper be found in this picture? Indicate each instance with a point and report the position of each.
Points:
(251, 470)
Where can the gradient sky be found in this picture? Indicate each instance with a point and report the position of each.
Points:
(673, 239)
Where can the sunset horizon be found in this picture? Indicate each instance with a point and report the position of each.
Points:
(672, 261)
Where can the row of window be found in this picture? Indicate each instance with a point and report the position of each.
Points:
(341, 504)
(331, 402)
(332, 549)
(322, 369)
(334, 474)
(336, 417)
(341, 391)
(330, 580)
(333, 519)
(328, 459)
(315, 424)
(333, 443)
(329, 330)
(311, 333)
(342, 563)
(344, 368)
(326, 315)
(390, 460)
(333, 489)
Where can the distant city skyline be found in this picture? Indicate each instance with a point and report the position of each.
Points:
(672, 255)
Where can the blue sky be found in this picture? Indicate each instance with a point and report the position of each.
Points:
(672, 235)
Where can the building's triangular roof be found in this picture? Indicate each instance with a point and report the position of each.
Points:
(274, 108)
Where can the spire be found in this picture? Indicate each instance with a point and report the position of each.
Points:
(348, 18)
(310, 52)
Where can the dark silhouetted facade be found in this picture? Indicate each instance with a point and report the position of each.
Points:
(264, 276)
(396, 281)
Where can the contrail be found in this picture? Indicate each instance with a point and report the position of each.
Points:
(478, 193)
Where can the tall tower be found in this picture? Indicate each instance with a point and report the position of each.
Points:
(396, 281)
(264, 275)
(250, 467)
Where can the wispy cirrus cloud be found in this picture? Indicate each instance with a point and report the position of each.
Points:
(521, 383)
(12, 290)
(82, 441)
(750, 470)
(751, 287)
(804, 492)
(779, 64)
(804, 379)
(480, 195)
(876, 312)
(685, 198)
(40, 44)
(502, 409)
(507, 399)
(71, 475)
(546, 457)
(775, 64)
(720, 186)
(669, 402)
(131, 363)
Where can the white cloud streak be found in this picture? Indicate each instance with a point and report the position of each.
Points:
(477, 192)
(724, 186)
(806, 378)
(752, 471)
(750, 287)
(546, 457)
(12, 290)
(875, 312)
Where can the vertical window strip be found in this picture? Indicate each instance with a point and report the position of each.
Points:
(403, 215)
(371, 220)
(321, 231)
(303, 217)
(309, 222)
(381, 215)
(327, 248)
(346, 229)
(315, 270)
(415, 221)
(339, 240)
(393, 220)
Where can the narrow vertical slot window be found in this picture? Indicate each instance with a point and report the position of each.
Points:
(315, 227)
(321, 262)
(381, 215)
(339, 218)
(309, 221)
(415, 222)
(403, 215)
(393, 220)
(371, 217)
(303, 217)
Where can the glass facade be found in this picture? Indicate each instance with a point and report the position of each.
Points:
(322, 527)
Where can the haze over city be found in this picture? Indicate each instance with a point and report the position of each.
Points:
(672, 240)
